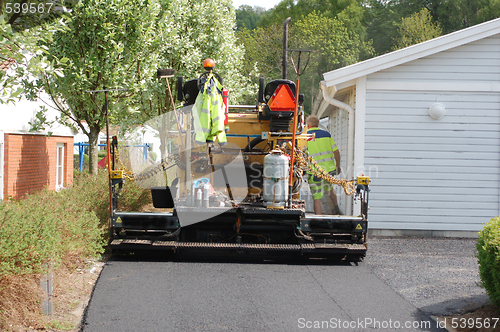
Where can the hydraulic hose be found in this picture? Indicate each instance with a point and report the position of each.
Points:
(253, 143)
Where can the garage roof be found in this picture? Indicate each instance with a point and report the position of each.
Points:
(350, 73)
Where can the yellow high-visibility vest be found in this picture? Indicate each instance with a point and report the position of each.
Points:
(208, 113)
(321, 148)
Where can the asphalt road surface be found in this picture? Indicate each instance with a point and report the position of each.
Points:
(154, 294)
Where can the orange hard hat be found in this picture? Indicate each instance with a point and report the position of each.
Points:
(209, 64)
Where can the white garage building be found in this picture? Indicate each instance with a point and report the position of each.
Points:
(425, 125)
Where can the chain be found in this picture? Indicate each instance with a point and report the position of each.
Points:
(307, 163)
(162, 166)
(303, 162)
(126, 172)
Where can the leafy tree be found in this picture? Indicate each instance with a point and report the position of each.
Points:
(189, 32)
(459, 14)
(116, 44)
(298, 9)
(489, 11)
(248, 17)
(332, 50)
(380, 19)
(383, 17)
(23, 24)
(25, 14)
(264, 48)
(336, 33)
(416, 29)
(106, 45)
(21, 38)
(247, 40)
(286, 8)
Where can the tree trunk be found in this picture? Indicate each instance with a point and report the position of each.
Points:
(93, 149)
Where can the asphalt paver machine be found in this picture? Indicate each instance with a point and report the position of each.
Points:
(240, 197)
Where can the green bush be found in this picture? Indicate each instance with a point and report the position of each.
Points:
(93, 193)
(45, 227)
(488, 255)
(48, 226)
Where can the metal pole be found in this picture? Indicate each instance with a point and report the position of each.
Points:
(285, 45)
(187, 154)
(108, 148)
(47, 290)
(292, 160)
(145, 151)
(81, 148)
(107, 140)
(173, 106)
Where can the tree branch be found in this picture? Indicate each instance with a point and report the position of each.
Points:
(56, 102)
(92, 97)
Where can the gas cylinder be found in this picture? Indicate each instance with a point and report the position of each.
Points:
(275, 179)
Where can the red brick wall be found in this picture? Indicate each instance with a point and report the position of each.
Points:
(30, 163)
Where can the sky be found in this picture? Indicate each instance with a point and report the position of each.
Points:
(267, 4)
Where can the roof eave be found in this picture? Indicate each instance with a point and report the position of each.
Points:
(413, 52)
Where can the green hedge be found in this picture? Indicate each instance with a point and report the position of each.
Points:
(93, 193)
(42, 227)
(49, 225)
(488, 255)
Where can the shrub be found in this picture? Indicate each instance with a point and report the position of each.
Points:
(93, 193)
(488, 255)
(45, 227)
(62, 227)
(52, 225)
(133, 197)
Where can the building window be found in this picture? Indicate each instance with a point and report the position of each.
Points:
(60, 166)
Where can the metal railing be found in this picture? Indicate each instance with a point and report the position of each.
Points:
(82, 145)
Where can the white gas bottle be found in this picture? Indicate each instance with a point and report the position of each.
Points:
(276, 172)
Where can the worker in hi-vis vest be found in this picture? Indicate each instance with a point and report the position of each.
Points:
(324, 151)
(208, 110)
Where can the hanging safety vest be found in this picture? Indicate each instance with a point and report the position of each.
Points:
(321, 148)
(208, 113)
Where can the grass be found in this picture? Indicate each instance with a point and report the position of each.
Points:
(58, 325)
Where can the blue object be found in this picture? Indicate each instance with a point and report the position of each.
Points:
(201, 182)
(81, 150)
(238, 135)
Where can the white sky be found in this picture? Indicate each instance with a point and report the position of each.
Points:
(267, 4)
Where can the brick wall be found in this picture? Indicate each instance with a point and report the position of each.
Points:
(30, 163)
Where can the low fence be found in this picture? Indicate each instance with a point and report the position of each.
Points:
(81, 150)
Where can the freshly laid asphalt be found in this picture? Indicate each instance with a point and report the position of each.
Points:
(401, 283)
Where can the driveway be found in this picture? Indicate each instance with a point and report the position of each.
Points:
(438, 275)
(399, 286)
